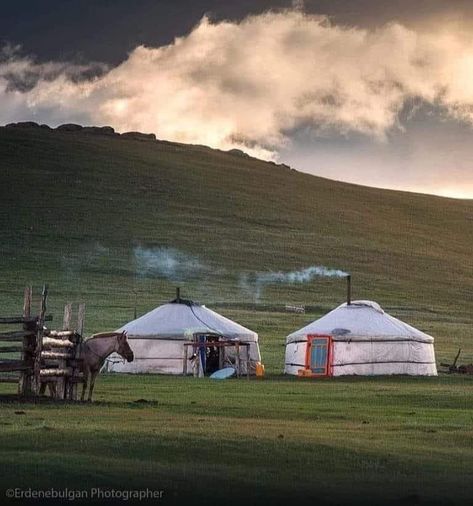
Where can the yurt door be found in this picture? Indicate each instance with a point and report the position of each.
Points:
(318, 354)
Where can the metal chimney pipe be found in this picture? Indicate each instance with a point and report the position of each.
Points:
(348, 289)
(178, 294)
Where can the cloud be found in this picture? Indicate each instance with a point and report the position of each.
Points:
(248, 84)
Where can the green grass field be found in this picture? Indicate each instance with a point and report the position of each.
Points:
(73, 206)
(279, 440)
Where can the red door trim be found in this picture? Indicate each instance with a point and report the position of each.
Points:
(329, 368)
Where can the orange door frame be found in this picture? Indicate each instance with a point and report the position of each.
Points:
(328, 366)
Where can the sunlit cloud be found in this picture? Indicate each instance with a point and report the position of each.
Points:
(249, 84)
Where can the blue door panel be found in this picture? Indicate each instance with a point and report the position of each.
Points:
(319, 356)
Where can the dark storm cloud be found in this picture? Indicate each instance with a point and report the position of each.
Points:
(104, 30)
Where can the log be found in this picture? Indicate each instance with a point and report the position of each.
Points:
(56, 372)
(55, 355)
(49, 342)
(17, 335)
(13, 365)
(59, 333)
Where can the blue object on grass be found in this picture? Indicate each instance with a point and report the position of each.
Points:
(222, 374)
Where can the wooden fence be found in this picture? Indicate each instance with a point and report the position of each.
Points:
(48, 358)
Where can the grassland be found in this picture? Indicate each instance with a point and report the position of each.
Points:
(73, 206)
(276, 441)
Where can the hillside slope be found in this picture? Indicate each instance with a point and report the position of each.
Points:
(87, 212)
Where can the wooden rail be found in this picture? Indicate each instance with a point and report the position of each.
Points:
(13, 320)
(46, 356)
(16, 335)
(11, 349)
(10, 365)
(7, 378)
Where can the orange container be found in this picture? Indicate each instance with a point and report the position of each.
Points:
(304, 372)
(259, 370)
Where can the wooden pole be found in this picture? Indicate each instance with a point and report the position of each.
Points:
(81, 319)
(184, 360)
(247, 361)
(237, 359)
(79, 338)
(39, 341)
(61, 385)
(25, 384)
(66, 322)
(195, 352)
(221, 354)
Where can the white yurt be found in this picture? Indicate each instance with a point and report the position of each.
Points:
(359, 339)
(157, 339)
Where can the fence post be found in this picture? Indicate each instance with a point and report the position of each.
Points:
(39, 341)
(62, 381)
(24, 384)
(78, 340)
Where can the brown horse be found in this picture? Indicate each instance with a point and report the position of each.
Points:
(94, 352)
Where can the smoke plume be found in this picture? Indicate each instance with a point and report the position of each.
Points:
(255, 283)
(169, 263)
(248, 84)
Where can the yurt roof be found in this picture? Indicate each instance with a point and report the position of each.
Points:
(180, 319)
(363, 320)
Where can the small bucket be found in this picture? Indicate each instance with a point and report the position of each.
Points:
(259, 370)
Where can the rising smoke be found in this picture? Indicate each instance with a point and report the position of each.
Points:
(169, 263)
(254, 284)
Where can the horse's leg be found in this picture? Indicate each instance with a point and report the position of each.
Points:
(93, 375)
(52, 389)
(84, 384)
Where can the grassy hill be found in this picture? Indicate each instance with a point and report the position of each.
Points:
(86, 211)
(108, 220)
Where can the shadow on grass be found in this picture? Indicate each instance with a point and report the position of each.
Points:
(195, 469)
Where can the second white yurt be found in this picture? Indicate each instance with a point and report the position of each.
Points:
(158, 337)
(359, 339)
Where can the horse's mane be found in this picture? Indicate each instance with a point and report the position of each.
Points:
(104, 334)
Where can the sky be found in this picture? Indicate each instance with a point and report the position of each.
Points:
(373, 92)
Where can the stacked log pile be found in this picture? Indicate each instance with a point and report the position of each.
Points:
(48, 358)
